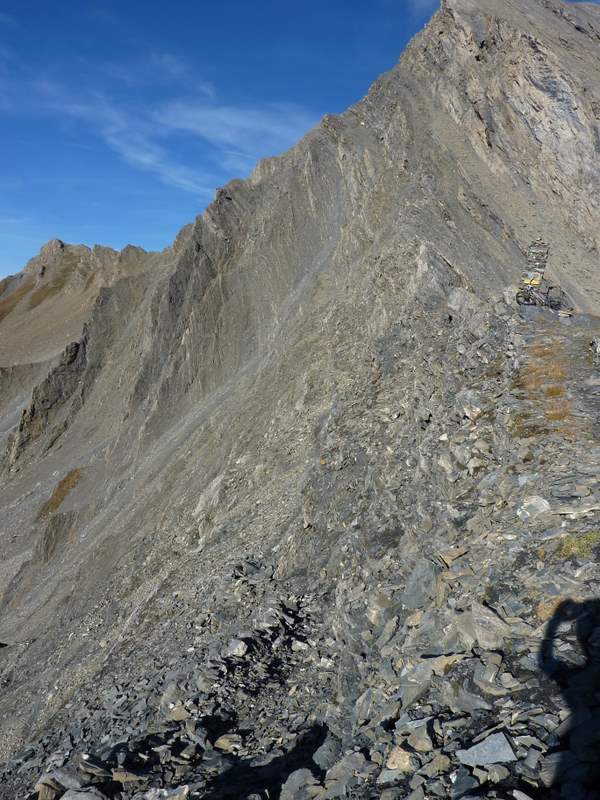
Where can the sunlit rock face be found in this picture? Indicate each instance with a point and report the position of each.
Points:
(291, 506)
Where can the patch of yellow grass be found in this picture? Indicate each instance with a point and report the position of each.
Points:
(523, 426)
(555, 371)
(559, 411)
(534, 376)
(62, 489)
(534, 381)
(542, 350)
(581, 545)
(543, 378)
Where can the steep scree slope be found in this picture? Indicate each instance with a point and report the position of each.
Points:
(291, 514)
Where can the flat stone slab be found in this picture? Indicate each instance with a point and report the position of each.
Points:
(493, 750)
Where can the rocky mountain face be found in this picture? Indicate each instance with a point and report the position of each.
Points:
(306, 506)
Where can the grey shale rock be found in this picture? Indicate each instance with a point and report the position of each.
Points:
(307, 505)
(493, 750)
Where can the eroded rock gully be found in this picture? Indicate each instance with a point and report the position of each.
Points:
(306, 505)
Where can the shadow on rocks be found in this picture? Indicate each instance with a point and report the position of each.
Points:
(573, 768)
(242, 779)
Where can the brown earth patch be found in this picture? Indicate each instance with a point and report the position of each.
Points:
(62, 490)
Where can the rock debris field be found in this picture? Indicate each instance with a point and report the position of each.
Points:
(307, 505)
(457, 660)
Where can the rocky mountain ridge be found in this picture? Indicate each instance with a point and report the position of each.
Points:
(291, 515)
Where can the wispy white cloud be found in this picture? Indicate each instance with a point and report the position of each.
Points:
(147, 134)
(239, 133)
(142, 153)
(423, 6)
(130, 134)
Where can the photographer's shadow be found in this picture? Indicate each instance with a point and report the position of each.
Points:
(573, 767)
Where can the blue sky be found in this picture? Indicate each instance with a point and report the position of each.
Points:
(119, 119)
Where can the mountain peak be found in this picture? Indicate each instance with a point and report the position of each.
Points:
(52, 248)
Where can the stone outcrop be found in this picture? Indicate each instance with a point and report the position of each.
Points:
(334, 522)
